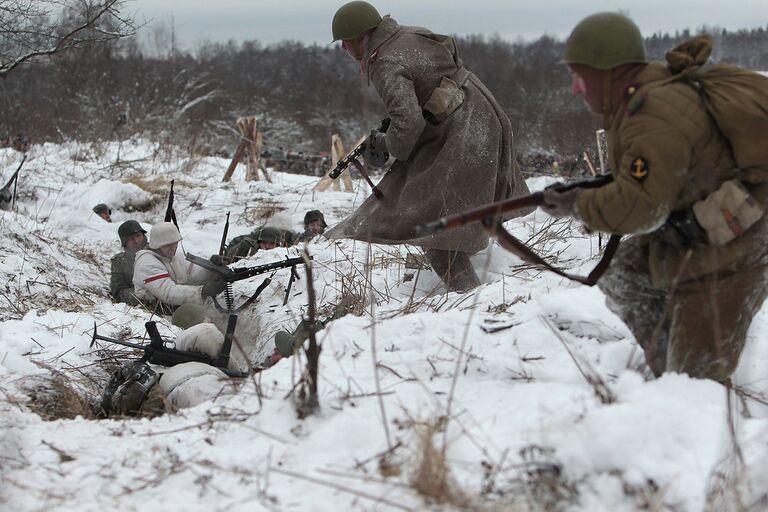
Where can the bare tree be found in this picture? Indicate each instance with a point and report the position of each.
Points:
(31, 29)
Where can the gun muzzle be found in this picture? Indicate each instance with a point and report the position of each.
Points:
(336, 172)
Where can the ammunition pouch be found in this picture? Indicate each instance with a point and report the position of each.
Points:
(717, 219)
(446, 98)
(728, 212)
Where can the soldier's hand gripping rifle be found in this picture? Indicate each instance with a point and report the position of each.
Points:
(352, 158)
(156, 351)
(492, 216)
(230, 275)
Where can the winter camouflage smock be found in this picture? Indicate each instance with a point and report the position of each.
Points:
(171, 281)
(666, 154)
(465, 161)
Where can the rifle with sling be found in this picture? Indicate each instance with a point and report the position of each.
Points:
(5, 193)
(156, 352)
(492, 216)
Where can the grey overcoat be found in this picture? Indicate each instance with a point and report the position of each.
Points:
(463, 162)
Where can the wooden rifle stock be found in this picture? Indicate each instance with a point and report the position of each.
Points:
(491, 217)
(488, 214)
(482, 214)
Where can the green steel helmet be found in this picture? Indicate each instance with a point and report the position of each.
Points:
(127, 229)
(313, 215)
(270, 234)
(354, 18)
(101, 208)
(188, 315)
(284, 343)
(605, 40)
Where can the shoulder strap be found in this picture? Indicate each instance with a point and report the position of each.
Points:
(515, 246)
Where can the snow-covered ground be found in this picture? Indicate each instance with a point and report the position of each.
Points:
(532, 390)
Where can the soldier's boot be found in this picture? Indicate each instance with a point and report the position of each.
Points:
(454, 268)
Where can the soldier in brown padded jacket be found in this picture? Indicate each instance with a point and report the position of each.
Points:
(688, 302)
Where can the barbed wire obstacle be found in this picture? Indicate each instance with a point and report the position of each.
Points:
(337, 153)
(251, 142)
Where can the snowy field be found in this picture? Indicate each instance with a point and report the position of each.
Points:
(525, 394)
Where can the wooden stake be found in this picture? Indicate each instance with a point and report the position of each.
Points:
(251, 140)
(235, 159)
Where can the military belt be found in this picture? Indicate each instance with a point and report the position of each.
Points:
(682, 229)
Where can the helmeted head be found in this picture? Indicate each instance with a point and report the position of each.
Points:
(126, 232)
(162, 234)
(270, 237)
(284, 343)
(314, 222)
(601, 52)
(103, 211)
(604, 41)
(354, 18)
(188, 315)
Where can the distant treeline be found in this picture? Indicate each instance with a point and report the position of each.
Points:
(301, 94)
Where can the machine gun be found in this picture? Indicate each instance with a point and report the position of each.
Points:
(230, 275)
(156, 351)
(352, 158)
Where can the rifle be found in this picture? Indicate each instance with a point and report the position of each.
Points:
(223, 245)
(156, 352)
(352, 159)
(492, 213)
(170, 213)
(5, 194)
(492, 216)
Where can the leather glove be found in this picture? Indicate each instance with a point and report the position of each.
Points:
(213, 287)
(558, 203)
(375, 153)
(217, 260)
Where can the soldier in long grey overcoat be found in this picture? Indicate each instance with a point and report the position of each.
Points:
(451, 140)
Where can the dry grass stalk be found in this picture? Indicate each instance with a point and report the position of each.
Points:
(308, 397)
(333, 485)
(593, 378)
(432, 476)
(373, 353)
(57, 398)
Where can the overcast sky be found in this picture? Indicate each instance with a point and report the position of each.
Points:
(309, 21)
